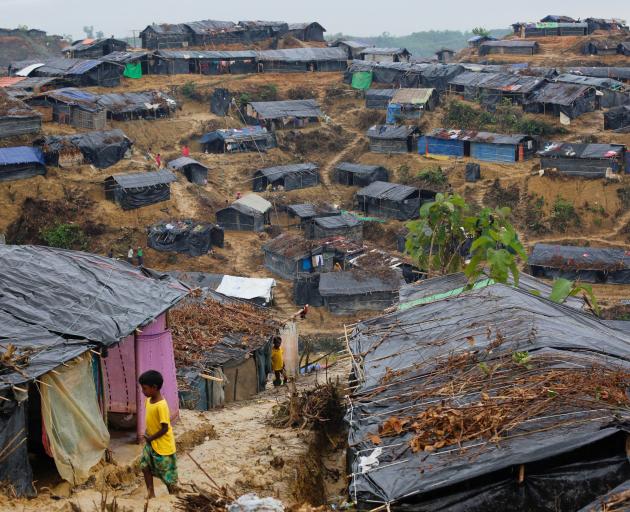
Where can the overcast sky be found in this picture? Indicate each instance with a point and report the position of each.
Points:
(365, 17)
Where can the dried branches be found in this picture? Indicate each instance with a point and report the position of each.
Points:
(312, 407)
(12, 360)
(203, 500)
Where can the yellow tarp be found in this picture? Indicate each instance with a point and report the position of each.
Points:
(77, 434)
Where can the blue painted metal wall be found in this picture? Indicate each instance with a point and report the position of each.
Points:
(493, 152)
(435, 146)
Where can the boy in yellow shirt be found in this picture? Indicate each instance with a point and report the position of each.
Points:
(277, 362)
(158, 456)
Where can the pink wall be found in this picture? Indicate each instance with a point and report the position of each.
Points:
(120, 372)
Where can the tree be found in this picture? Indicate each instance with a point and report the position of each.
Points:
(446, 235)
(100, 34)
(23, 28)
(480, 31)
(89, 31)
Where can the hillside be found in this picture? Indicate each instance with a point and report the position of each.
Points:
(421, 44)
(27, 44)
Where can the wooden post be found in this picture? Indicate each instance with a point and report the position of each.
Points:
(521, 470)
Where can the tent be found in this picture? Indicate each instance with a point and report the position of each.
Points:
(21, 162)
(139, 189)
(237, 140)
(359, 175)
(249, 213)
(586, 264)
(100, 148)
(185, 236)
(286, 177)
(194, 171)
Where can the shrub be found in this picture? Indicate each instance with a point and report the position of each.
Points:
(624, 197)
(301, 93)
(404, 174)
(65, 236)
(433, 176)
(534, 215)
(189, 90)
(563, 215)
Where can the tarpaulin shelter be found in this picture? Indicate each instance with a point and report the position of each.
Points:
(550, 28)
(100, 148)
(220, 101)
(378, 98)
(203, 62)
(585, 160)
(392, 200)
(611, 92)
(385, 55)
(136, 190)
(194, 171)
(349, 291)
(454, 143)
(299, 60)
(73, 106)
(185, 236)
(509, 47)
(309, 31)
(392, 138)
(352, 48)
(16, 117)
(411, 104)
(81, 72)
(407, 364)
(306, 212)
(289, 255)
(53, 320)
(617, 118)
(587, 264)
(571, 100)
(125, 106)
(345, 224)
(492, 88)
(237, 140)
(361, 80)
(135, 63)
(286, 177)
(283, 114)
(359, 175)
(600, 47)
(624, 48)
(21, 162)
(614, 72)
(94, 48)
(249, 213)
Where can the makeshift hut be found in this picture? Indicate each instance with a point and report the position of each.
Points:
(453, 143)
(94, 48)
(102, 149)
(617, 118)
(72, 106)
(352, 48)
(286, 177)
(492, 88)
(21, 162)
(610, 25)
(611, 93)
(81, 72)
(67, 331)
(385, 55)
(203, 62)
(509, 47)
(476, 41)
(139, 189)
(378, 98)
(307, 212)
(585, 264)
(444, 55)
(385, 138)
(497, 147)
(563, 99)
(16, 117)
(392, 200)
(404, 413)
(585, 160)
(359, 175)
(238, 140)
(222, 351)
(345, 224)
(290, 255)
(616, 73)
(600, 47)
(194, 171)
(284, 114)
(185, 236)
(135, 63)
(126, 106)
(350, 291)
(550, 28)
(310, 31)
(624, 48)
(411, 104)
(166, 35)
(299, 60)
(249, 213)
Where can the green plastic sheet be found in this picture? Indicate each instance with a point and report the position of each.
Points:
(362, 80)
(133, 70)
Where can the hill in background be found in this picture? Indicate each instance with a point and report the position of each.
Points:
(22, 44)
(422, 44)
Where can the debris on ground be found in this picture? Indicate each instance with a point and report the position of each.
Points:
(309, 408)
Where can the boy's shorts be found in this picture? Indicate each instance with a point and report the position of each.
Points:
(163, 467)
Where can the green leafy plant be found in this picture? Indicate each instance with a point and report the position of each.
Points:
(563, 215)
(433, 176)
(65, 236)
(522, 359)
(404, 174)
(562, 289)
(480, 31)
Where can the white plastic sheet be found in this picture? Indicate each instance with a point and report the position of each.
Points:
(247, 288)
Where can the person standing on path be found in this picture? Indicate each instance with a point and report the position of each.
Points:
(140, 256)
(130, 255)
(185, 150)
(158, 161)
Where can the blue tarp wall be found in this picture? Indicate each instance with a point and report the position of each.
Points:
(437, 146)
(493, 152)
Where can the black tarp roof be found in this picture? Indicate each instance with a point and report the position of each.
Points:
(309, 210)
(399, 358)
(344, 220)
(577, 150)
(125, 57)
(559, 93)
(387, 190)
(280, 171)
(128, 102)
(183, 161)
(380, 93)
(144, 179)
(602, 83)
(206, 54)
(287, 108)
(302, 55)
(358, 168)
(576, 257)
(354, 282)
(390, 131)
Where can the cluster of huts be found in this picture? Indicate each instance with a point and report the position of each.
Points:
(560, 25)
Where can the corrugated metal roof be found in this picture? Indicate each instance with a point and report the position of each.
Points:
(413, 96)
(124, 57)
(7, 81)
(288, 108)
(144, 179)
(498, 138)
(602, 83)
(255, 202)
(387, 190)
(28, 69)
(13, 107)
(279, 171)
(621, 73)
(344, 220)
(21, 155)
(74, 96)
(574, 150)
(90, 43)
(183, 161)
(380, 93)
(559, 93)
(302, 26)
(302, 55)
(33, 82)
(388, 131)
(209, 26)
(131, 101)
(355, 45)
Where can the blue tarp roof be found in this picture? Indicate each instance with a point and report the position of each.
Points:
(21, 155)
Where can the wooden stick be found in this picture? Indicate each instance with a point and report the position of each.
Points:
(204, 472)
(20, 389)
(42, 382)
(210, 377)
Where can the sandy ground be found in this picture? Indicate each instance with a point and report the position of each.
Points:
(234, 445)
